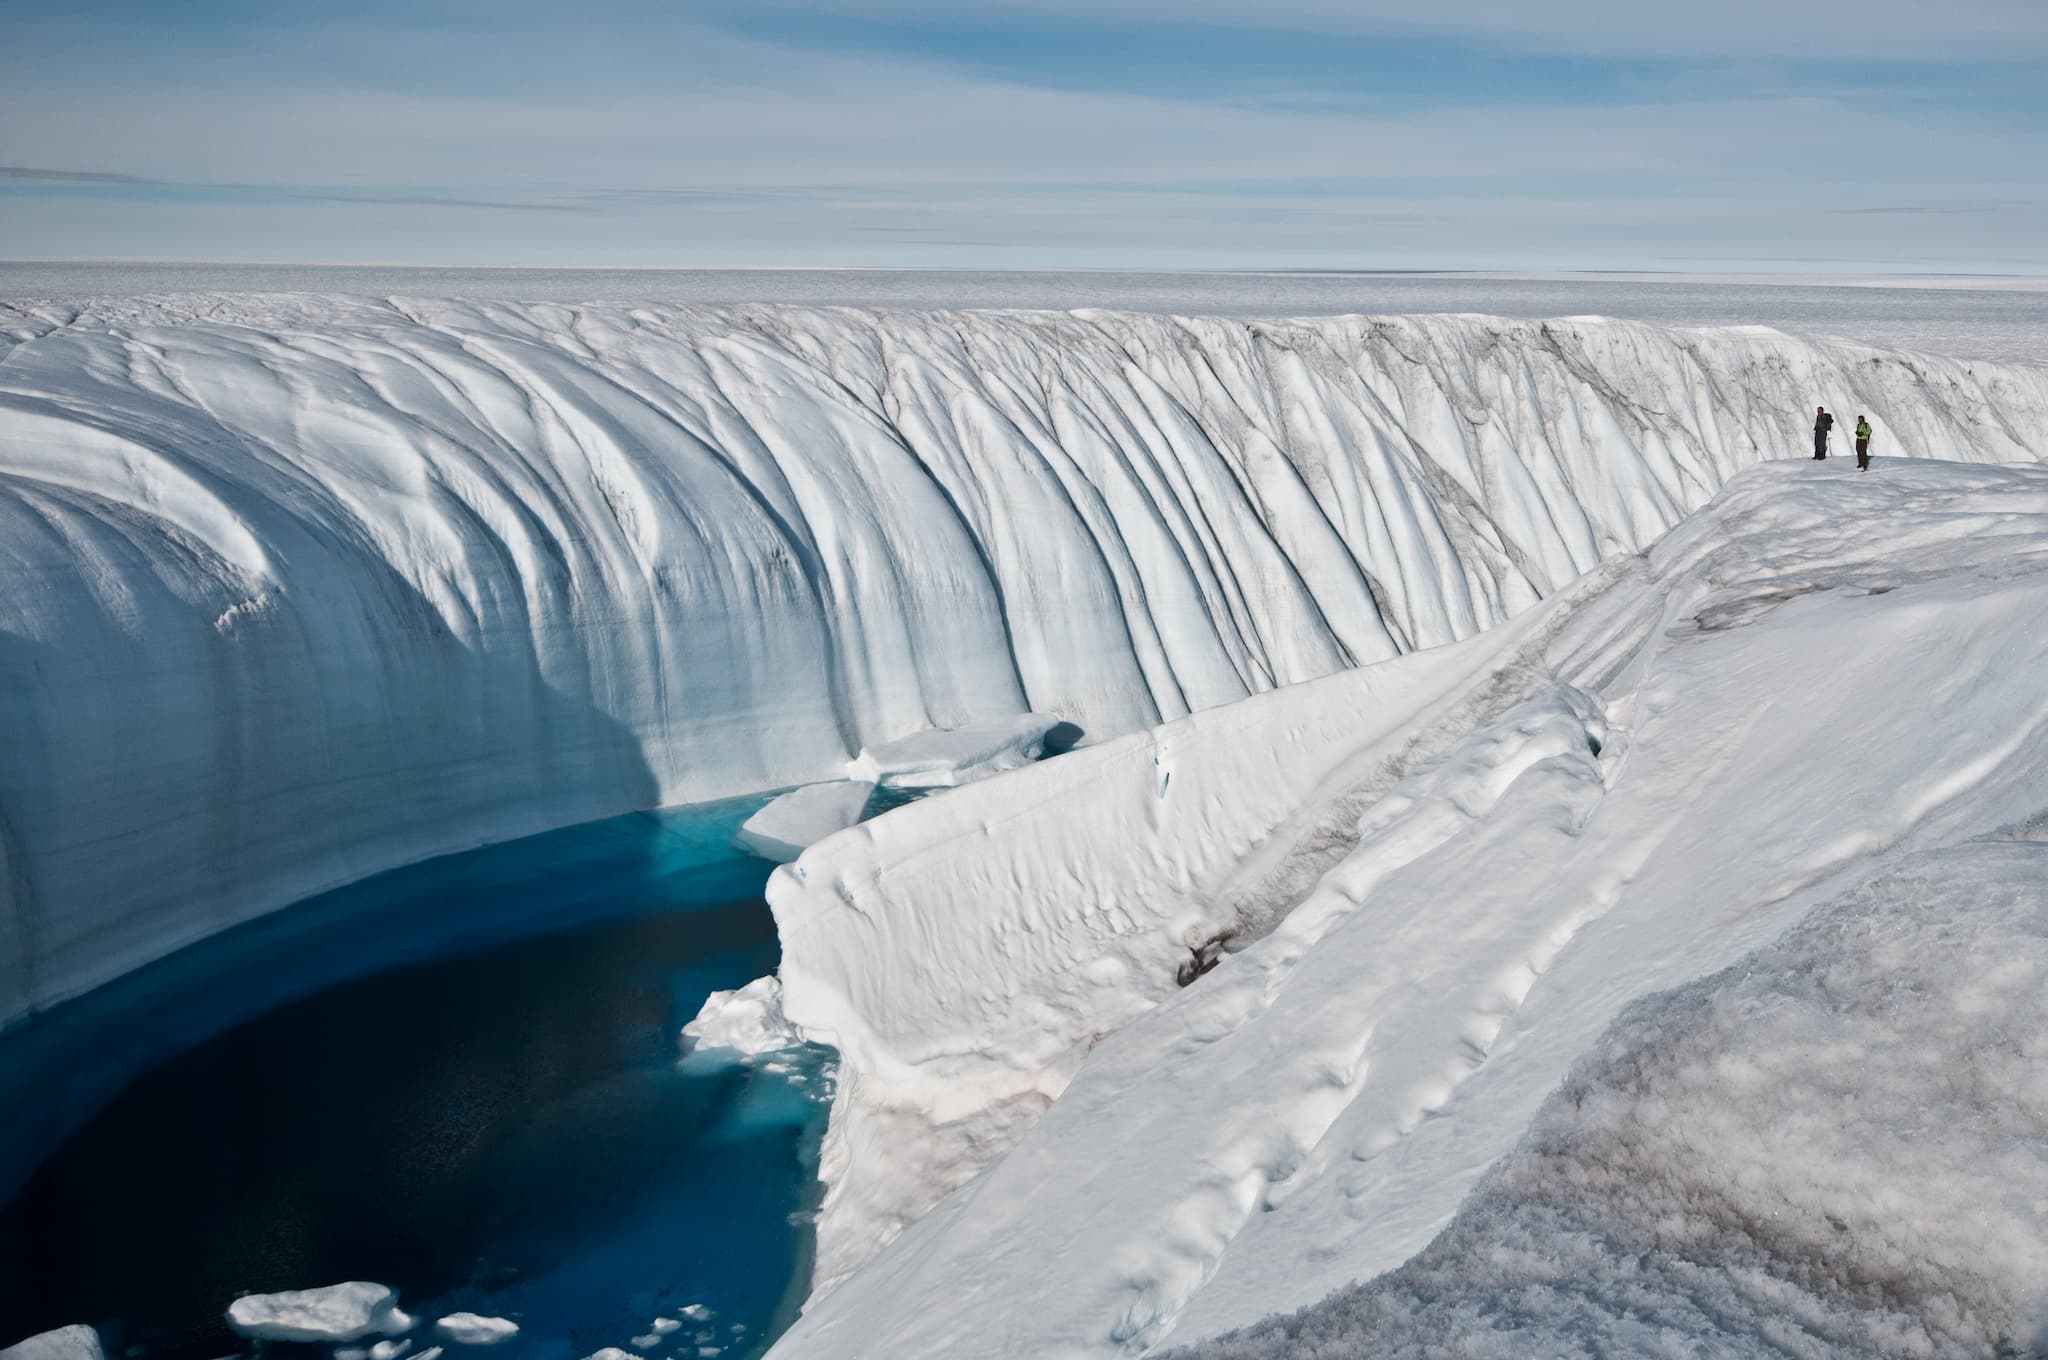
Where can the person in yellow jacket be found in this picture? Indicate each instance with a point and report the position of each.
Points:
(1862, 444)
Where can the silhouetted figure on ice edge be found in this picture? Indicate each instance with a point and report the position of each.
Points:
(1822, 423)
(1862, 444)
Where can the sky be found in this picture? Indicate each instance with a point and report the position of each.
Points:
(1742, 135)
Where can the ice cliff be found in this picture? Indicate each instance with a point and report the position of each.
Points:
(297, 588)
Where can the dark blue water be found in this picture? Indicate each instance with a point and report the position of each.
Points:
(459, 1079)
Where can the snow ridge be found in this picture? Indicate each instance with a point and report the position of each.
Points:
(299, 588)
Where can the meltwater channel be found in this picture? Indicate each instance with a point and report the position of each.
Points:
(460, 1079)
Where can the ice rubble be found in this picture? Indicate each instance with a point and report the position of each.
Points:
(937, 759)
(747, 1022)
(1831, 1149)
(484, 569)
(802, 817)
(336, 1312)
(65, 1343)
(1448, 874)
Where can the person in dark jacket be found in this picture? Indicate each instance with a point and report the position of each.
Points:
(1862, 444)
(1822, 423)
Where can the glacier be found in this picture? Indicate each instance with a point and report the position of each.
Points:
(1307, 965)
(305, 587)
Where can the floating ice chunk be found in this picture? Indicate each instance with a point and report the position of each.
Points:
(389, 1350)
(345, 1353)
(663, 1326)
(611, 1353)
(697, 1312)
(430, 1353)
(336, 1312)
(76, 1342)
(470, 1329)
(748, 1022)
(941, 758)
(803, 817)
(648, 1341)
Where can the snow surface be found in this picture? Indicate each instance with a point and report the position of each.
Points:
(1982, 316)
(336, 1312)
(472, 1329)
(301, 588)
(941, 759)
(782, 829)
(76, 1342)
(1833, 1148)
(1443, 877)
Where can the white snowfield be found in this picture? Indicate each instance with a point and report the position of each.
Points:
(1440, 878)
(1833, 1149)
(296, 588)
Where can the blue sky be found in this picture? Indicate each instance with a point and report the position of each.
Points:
(1795, 135)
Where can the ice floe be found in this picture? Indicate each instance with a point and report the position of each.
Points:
(471, 1329)
(338, 1312)
(76, 1342)
(747, 1022)
(802, 817)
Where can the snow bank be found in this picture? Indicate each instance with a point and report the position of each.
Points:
(301, 588)
(1442, 878)
(802, 817)
(1831, 1149)
(336, 1312)
(65, 1343)
(473, 1329)
(941, 759)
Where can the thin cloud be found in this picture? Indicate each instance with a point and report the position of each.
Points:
(431, 201)
(1929, 209)
(35, 175)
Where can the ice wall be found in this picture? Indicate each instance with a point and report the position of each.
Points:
(297, 588)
